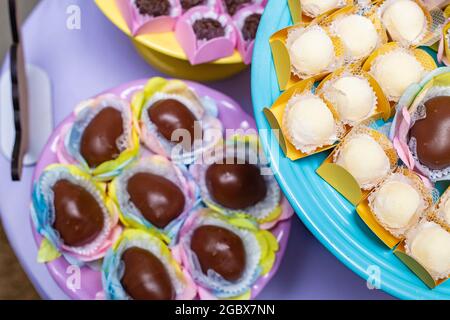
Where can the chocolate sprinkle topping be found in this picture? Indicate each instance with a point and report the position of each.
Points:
(153, 8)
(251, 26)
(188, 4)
(234, 5)
(207, 29)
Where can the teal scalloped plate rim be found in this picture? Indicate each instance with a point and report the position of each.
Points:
(332, 220)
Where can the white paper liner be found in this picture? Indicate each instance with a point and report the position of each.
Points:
(419, 113)
(313, 11)
(213, 280)
(164, 171)
(166, 144)
(380, 12)
(399, 232)
(47, 183)
(294, 34)
(330, 94)
(444, 201)
(89, 112)
(155, 248)
(385, 144)
(376, 62)
(310, 148)
(259, 211)
(348, 56)
(410, 237)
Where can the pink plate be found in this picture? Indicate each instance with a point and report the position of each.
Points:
(90, 285)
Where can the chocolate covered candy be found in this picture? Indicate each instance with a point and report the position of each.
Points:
(158, 199)
(250, 26)
(187, 4)
(207, 29)
(234, 185)
(432, 134)
(220, 250)
(153, 8)
(99, 139)
(169, 115)
(78, 216)
(232, 6)
(145, 276)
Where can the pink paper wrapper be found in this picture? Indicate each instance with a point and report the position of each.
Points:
(223, 7)
(202, 51)
(212, 4)
(140, 24)
(245, 47)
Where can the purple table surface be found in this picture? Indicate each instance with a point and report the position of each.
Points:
(83, 62)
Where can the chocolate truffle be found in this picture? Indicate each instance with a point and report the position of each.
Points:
(99, 139)
(187, 4)
(158, 199)
(145, 277)
(220, 250)
(207, 29)
(250, 26)
(235, 186)
(169, 115)
(232, 6)
(432, 134)
(78, 216)
(153, 8)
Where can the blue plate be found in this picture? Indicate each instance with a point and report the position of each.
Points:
(326, 213)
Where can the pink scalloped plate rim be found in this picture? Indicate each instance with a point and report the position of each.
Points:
(90, 286)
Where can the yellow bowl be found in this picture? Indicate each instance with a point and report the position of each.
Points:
(162, 51)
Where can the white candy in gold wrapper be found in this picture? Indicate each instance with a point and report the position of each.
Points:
(353, 98)
(358, 34)
(405, 21)
(311, 50)
(446, 211)
(309, 123)
(314, 8)
(364, 158)
(396, 203)
(395, 71)
(429, 244)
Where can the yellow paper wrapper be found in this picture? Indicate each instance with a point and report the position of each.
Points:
(298, 15)
(383, 107)
(275, 116)
(365, 212)
(340, 179)
(282, 61)
(416, 267)
(422, 56)
(435, 18)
